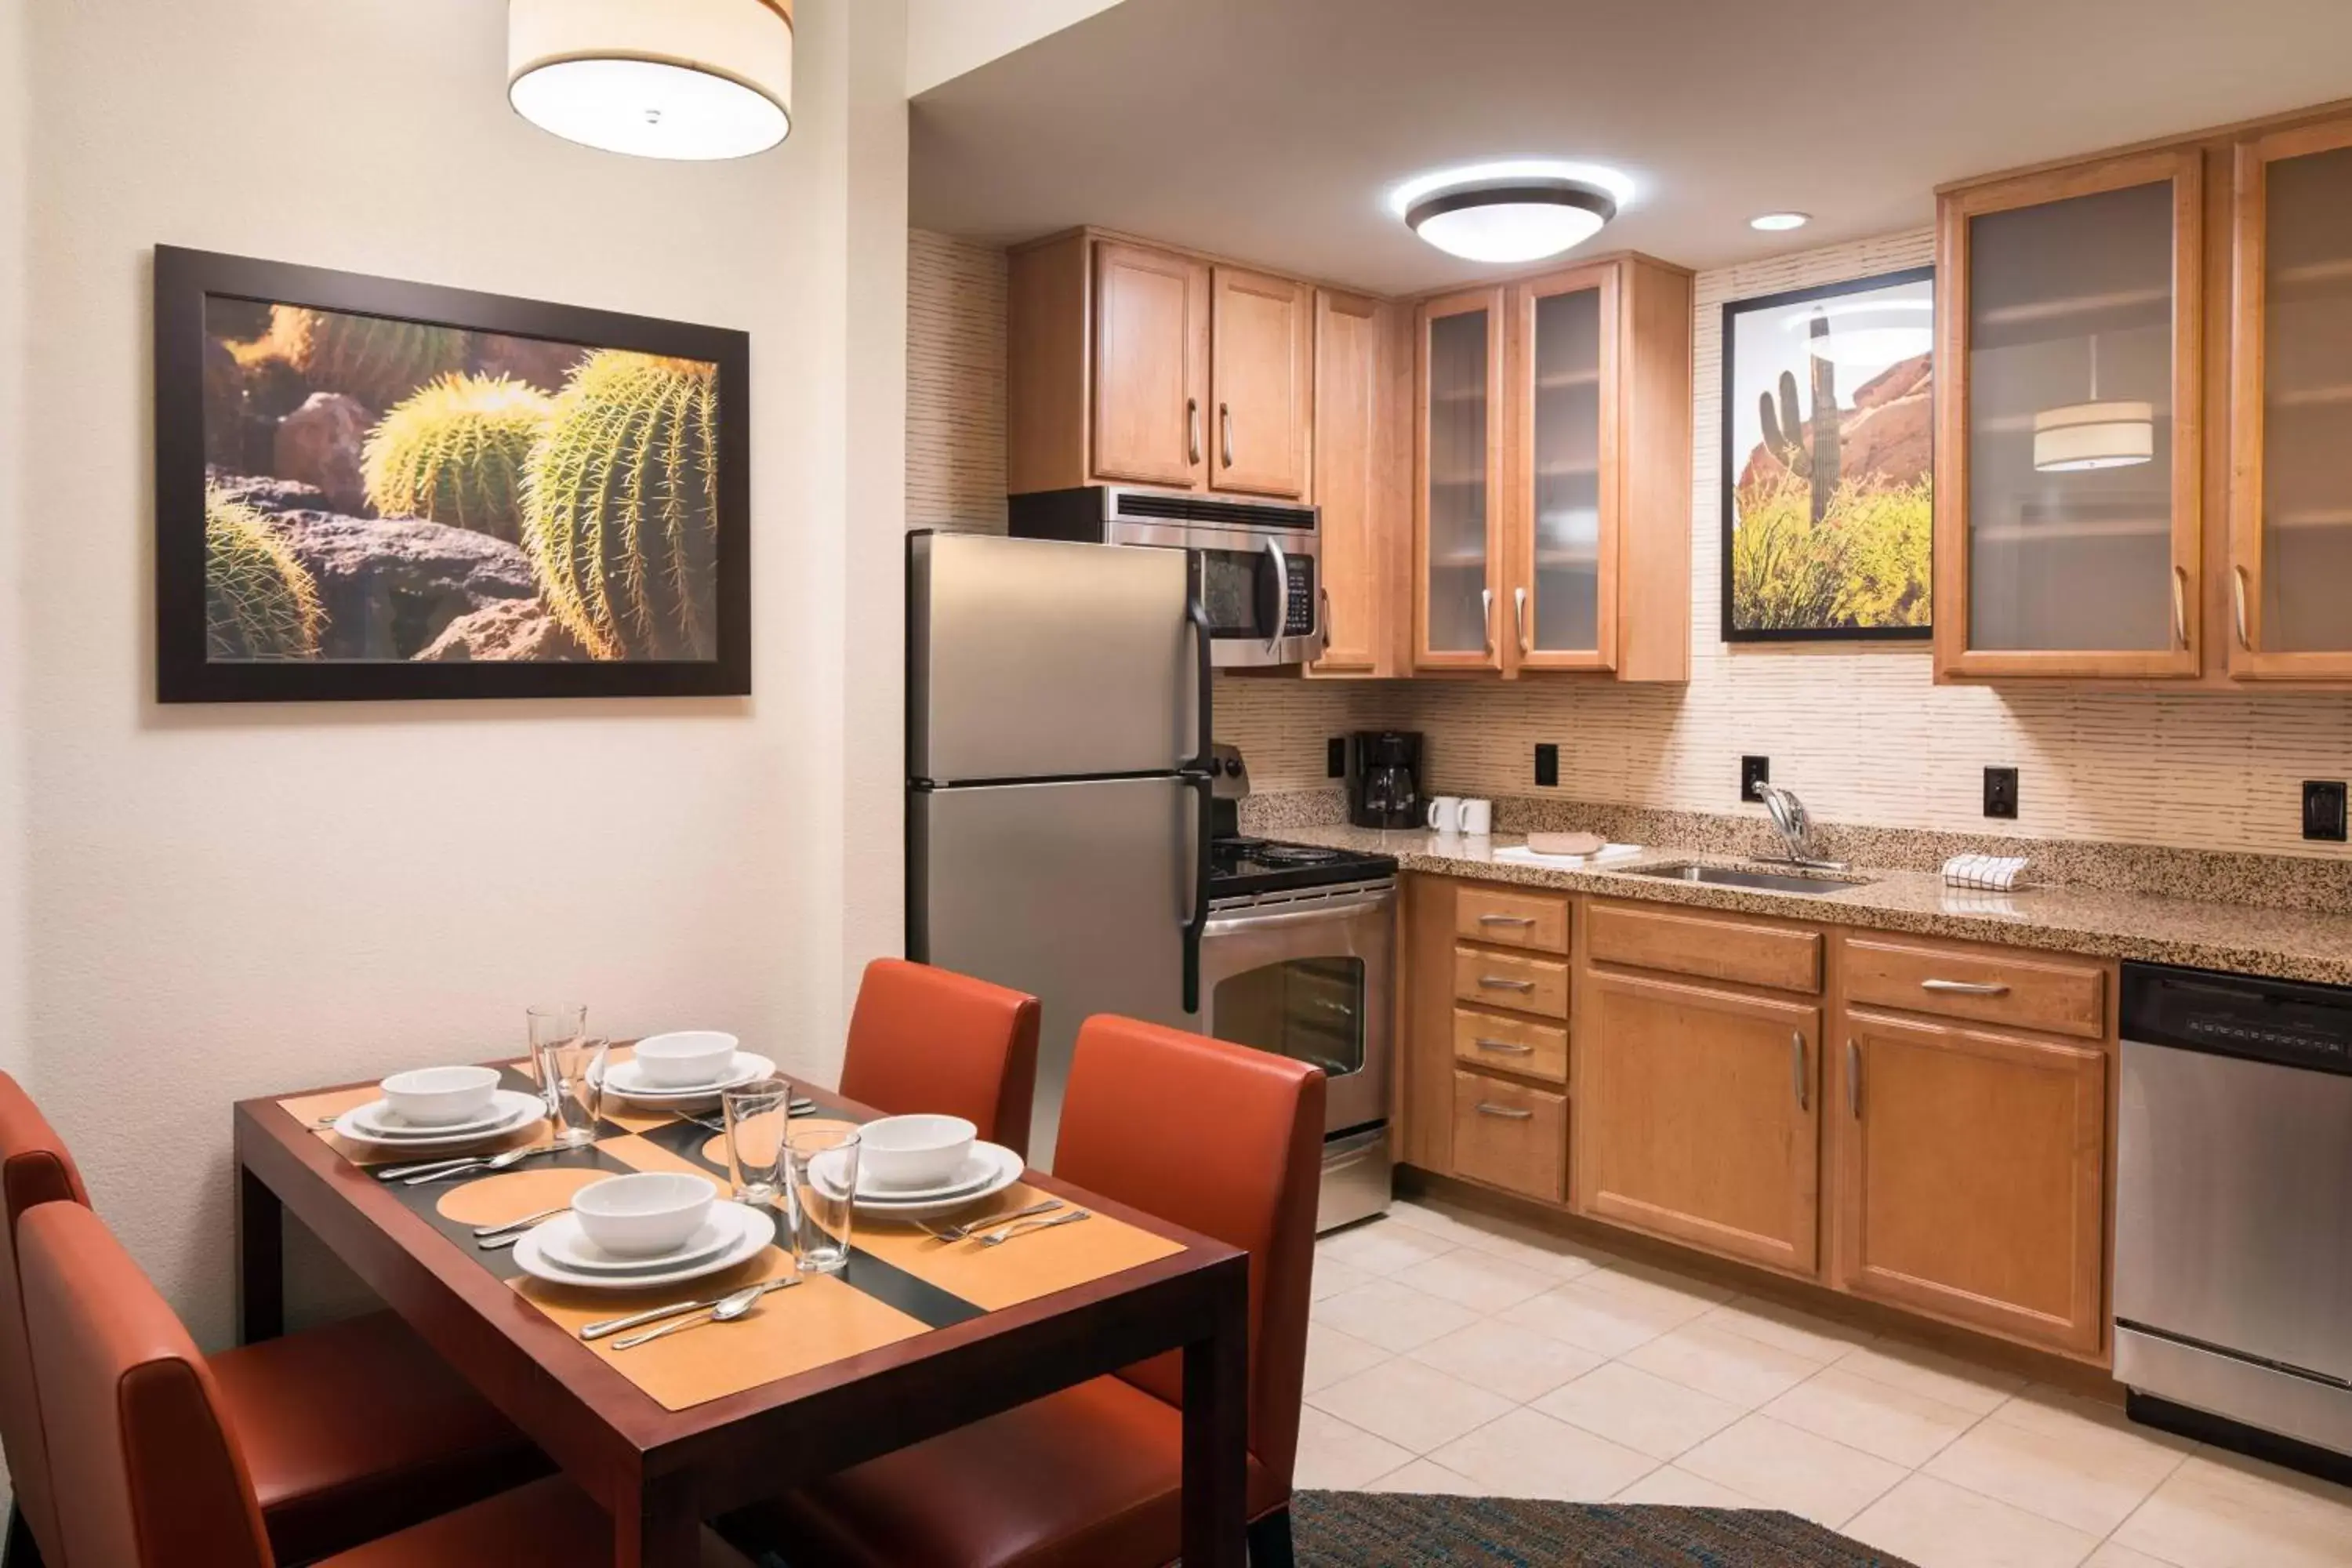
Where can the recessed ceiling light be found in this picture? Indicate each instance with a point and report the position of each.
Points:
(1510, 212)
(1774, 222)
(688, 78)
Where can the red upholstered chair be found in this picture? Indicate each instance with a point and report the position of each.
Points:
(351, 1431)
(147, 1464)
(1220, 1138)
(931, 1041)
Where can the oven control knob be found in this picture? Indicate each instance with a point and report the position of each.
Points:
(1233, 767)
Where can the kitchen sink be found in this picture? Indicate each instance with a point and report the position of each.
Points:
(1790, 881)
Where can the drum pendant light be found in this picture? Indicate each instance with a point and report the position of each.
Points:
(655, 79)
(2094, 435)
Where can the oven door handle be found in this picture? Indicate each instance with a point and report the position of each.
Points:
(1240, 922)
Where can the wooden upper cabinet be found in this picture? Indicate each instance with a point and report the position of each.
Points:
(1260, 379)
(1552, 508)
(2069, 372)
(1458, 525)
(1972, 1171)
(2290, 589)
(1698, 1115)
(1151, 343)
(1353, 459)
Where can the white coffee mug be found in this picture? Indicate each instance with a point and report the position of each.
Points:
(1477, 818)
(1445, 813)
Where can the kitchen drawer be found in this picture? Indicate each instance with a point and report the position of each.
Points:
(1509, 980)
(1709, 946)
(1515, 919)
(1511, 1045)
(1511, 1137)
(2054, 994)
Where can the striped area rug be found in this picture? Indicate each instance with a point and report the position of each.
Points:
(1404, 1529)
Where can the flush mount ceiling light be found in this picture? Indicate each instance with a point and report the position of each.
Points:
(1869, 334)
(2093, 433)
(1510, 212)
(683, 78)
(1773, 223)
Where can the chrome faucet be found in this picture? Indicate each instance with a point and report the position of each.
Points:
(1788, 814)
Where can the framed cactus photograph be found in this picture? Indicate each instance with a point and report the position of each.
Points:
(368, 488)
(1828, 461)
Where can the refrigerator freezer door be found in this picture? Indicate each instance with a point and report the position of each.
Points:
(1076, 893)
(1035, 658)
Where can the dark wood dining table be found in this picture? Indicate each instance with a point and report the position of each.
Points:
(661, 1452)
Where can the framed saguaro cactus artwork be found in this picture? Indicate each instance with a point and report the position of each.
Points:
(368, 488)
(1828, 457)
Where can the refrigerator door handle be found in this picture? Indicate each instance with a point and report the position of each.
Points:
(1199, 774)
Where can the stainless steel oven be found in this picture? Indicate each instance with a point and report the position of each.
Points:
(1261, 561)
(1307, 972)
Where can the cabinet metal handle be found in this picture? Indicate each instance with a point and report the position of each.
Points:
(2180, 604)
(1323, 624)
(1487, 615)
(1966, 987)
(2238, 583)
(1225, 431)
(1797, 1064)
(1498, 983)
(1508, 1048)
(1193, 431)
(1853, 1080)
(1519, 609)
(1508, 1112)
(1506, 920)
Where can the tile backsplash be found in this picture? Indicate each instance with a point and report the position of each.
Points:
(1861, 731)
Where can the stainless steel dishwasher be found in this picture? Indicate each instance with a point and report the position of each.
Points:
(2234, 1200)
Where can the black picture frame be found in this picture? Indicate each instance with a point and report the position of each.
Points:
(184, 279)
(1732, 311)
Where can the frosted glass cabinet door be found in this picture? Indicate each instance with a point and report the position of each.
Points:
(1563, 579)
(2290, 407)
(2067, 462)
(1459, 459)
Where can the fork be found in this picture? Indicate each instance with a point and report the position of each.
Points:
(959, 1232)
(998, 1239)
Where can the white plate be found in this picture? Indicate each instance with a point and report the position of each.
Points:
(754, 1231)
(563, 1242)
(521, 1111)
(1006, 1171)
(627, 1080)
(979, 1168)
(379, 1122)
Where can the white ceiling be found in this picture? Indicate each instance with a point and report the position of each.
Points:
(1269, 130)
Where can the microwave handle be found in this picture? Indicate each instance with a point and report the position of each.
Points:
(1281, 596)
(1199, 775)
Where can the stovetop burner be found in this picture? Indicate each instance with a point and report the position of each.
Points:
(1244, 865)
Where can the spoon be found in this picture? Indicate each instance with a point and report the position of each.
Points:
(726, 1310)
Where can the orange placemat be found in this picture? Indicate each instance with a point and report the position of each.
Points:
(1024, 1269)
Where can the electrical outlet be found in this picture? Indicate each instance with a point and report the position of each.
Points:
(1754, 770)
(2000, 793)
(1546, 765)
(1335, 757)
(2322, 809)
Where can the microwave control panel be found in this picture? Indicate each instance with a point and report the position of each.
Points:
(1298, 615)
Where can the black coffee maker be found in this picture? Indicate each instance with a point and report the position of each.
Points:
(1384, 779)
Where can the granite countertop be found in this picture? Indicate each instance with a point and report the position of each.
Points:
(2288, 944)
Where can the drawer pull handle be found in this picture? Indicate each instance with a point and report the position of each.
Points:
(1966, 987)
(1797, 1064)
(1498, 983)
(1506, 920)
(1853, 1080)
(1507, 1113)
(1508, 1048)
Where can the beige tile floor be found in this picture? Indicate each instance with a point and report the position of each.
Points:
(1452, 1353)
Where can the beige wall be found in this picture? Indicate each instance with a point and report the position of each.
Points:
(945, 38)
(226, 901)
(955, 382)
(16, 130)
(1862, 733)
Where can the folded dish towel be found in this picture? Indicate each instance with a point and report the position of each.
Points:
(1993, 873)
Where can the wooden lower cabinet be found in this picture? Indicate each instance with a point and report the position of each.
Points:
(1972, 1173)
(1698, 1115)
(1510, 1135)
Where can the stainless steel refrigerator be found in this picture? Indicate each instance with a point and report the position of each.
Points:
(1058, 780)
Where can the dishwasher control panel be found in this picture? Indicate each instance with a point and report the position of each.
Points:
(2282, 1021)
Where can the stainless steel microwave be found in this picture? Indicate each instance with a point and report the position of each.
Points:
(1261, 561)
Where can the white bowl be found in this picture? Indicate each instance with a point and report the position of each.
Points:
(645, 1214)
(440, 1097)
(913, 1150)
(686, 1060)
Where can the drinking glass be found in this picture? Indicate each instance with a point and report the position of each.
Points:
(755, 1117)
(562, 1054)
(821, 1177)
